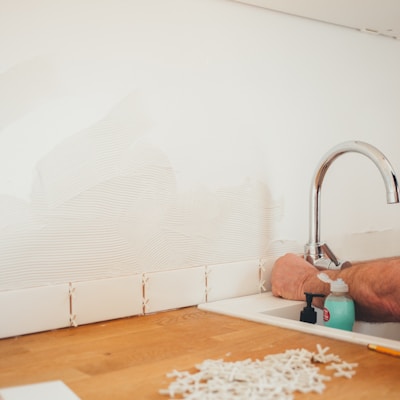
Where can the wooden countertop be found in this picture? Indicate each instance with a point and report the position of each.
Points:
(129, 358)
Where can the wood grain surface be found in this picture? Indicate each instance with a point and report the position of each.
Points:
(129, 358)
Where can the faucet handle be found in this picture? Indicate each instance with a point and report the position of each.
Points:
(322, 257)
(326, 263)
(324, 248)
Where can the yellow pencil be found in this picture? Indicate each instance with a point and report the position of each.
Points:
(384, 350)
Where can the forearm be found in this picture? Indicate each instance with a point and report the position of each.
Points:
(374, 287)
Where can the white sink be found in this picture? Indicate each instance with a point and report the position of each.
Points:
(267, 309)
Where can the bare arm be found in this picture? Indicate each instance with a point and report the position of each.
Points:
(374, 285)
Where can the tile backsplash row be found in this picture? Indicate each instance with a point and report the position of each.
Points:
(52, 307)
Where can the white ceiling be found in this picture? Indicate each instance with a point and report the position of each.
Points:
(375, 16)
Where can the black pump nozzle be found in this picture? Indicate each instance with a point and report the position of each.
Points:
(309, 314)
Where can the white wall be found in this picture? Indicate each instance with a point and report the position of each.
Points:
(140, 136)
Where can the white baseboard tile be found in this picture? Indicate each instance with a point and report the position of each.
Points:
(34, 310)
(233, 280)
(106, 299)
(166, 290)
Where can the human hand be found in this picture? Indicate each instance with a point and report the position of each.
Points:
(289, 275)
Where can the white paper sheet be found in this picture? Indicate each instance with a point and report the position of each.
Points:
(39, 391)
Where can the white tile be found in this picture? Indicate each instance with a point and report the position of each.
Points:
(39, 391)
(166, 290)
(34, 310)
(232, 280)
(105, 299)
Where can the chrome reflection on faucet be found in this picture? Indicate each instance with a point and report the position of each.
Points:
(317, 253)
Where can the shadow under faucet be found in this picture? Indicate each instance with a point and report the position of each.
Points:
(315, 252)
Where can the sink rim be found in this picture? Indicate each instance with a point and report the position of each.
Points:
(254, 308)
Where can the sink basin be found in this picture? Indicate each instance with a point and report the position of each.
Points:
(267, 309)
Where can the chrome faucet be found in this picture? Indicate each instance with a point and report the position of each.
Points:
(315, 252)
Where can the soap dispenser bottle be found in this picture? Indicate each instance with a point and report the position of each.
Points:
(308, 314)
(339, 309)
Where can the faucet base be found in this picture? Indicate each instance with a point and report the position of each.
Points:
(322, 257)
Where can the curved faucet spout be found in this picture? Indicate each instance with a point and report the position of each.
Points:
(319, 253)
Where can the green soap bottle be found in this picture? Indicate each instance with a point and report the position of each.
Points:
(339, 309)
